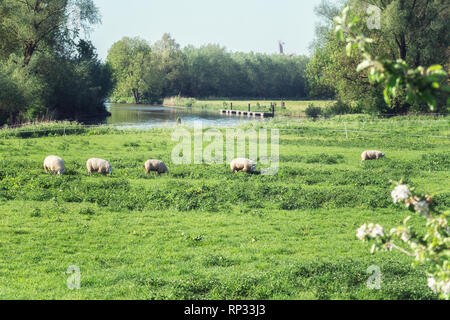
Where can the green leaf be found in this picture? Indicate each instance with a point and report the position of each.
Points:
(435, 67)
(386, 97)
(409, 96)
(372, 75)
(429, 99)
(356, 19)
(394, 91)
(440, 73)
(392, 81)
(340, 35)
(435, 85)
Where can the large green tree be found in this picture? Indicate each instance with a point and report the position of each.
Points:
(73, 87)
(34, 25)
(48, 71)
(135, 70)
(171, 64)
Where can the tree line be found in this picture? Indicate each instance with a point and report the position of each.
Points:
(148, 72)
(414, 31)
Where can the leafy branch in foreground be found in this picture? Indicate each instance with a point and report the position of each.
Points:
(421, 84)
(431, 249)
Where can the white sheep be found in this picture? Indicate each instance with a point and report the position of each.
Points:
(54, 164)
(155, 165)
(98, 165)
(242, 164)
(372, 155)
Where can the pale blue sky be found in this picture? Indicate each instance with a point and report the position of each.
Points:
(240, 25)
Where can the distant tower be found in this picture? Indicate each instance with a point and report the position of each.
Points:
(280, 46)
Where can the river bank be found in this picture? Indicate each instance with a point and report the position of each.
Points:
(284, 108)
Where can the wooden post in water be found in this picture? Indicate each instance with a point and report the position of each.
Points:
(231, 106)
(273, 109)
(249, 107)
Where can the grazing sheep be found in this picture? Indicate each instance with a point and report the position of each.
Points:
(372, 155)
(242, 164)
(155, 165)
(98, 165)
(54, 164)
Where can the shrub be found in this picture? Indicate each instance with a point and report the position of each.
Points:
(313, 111)
(179, 101)
(338, 108)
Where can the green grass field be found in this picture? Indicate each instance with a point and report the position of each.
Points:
(293, 108)
(202, 232)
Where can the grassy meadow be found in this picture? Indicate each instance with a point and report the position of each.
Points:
(202, 232)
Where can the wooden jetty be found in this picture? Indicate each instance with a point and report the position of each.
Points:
(249, 113)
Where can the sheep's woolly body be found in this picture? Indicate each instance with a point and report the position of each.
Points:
(98, 165)
(155, 165)
(372, 155)
(54, 164)
(242, 164)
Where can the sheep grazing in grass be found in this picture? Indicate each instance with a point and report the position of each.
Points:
(242, 164)
(98, 165)
(372, 155)
(54, 164)
(155, 165)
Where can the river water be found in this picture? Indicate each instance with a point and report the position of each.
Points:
(142, 116)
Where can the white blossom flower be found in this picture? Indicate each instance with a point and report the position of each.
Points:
(422, 207)
(445, 287)
(406, 236)
(376, 231)
(432, 284)
(362, 232)
(442, 286)
(442, 222)
(400, 193)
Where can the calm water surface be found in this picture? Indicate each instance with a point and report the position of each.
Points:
(144, 117)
